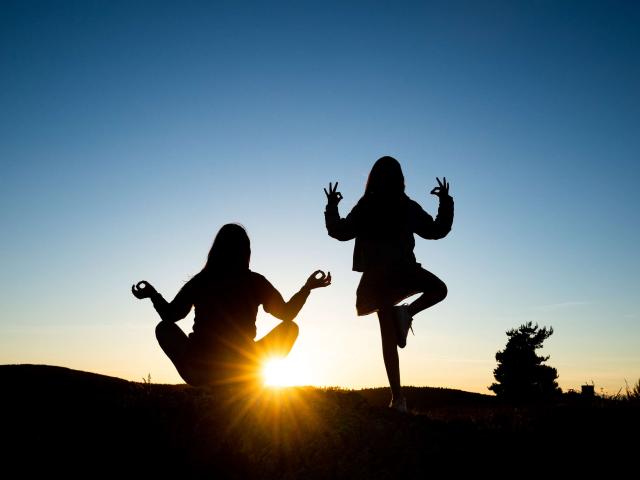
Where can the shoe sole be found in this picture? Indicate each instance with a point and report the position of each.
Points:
(401, 340)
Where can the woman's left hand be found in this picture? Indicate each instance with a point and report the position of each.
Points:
(318, 279)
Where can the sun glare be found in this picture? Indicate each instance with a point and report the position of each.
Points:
(281, 372)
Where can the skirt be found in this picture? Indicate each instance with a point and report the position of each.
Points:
(386, 287)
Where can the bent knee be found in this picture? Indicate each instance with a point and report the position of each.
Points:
(443, 291)
(168, 334)
(292, 329)
(439, 292)
(163, 329)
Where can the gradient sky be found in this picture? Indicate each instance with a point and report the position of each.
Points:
(131, 131)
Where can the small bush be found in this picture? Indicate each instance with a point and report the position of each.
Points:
(633, 393)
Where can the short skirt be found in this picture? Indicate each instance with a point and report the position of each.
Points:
(388, 286)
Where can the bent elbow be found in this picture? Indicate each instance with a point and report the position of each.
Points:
(442, 229)
(339, 234)
(435, 234)
(442, 234)
(334, 234)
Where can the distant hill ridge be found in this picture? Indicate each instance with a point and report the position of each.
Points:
(28, 376)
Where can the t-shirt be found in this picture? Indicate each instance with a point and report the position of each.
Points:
(226, 306)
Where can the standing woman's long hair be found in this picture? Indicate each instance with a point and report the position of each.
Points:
(384, 200)
(230, 252)
(385, 179)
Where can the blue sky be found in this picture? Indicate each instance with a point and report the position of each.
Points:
(131, 131)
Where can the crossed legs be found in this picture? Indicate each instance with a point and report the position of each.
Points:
(197, 372)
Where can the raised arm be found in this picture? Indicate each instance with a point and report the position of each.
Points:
(168, 311)
(425, 225)
(274, 304)
(339, 228)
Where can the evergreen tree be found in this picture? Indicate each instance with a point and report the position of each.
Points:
(521, 374)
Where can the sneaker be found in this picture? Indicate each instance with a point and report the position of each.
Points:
(399, 405)
(403, 324)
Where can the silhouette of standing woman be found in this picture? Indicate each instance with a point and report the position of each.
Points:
(226, 296)
(383, 223)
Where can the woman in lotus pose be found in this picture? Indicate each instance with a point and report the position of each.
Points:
(226, 296)
(383, 223)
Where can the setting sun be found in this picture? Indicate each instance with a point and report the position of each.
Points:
(281, 372)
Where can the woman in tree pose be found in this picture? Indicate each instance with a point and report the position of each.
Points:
(226, 295)
(383, 223)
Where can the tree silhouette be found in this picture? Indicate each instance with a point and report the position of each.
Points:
(520, 374)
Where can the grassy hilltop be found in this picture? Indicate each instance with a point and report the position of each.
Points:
(78, 424)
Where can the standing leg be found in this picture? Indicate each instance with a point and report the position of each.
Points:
(434, 290)
(390, 350)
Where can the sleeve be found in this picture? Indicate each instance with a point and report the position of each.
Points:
(273, 303)
(179, 307)
(342, 229)
(430, 229)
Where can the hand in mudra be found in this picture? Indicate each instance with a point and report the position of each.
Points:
(318, 279)
(142, 289)
(443, 189)
(333, 196)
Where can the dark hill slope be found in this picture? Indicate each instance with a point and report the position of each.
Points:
(57, 421)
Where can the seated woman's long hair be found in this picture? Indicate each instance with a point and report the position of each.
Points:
(230, 252)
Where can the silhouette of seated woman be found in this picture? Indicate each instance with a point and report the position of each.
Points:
(226, 295)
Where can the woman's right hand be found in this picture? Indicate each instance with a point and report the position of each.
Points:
(143, 289)
(442, 190)
(333, 196)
